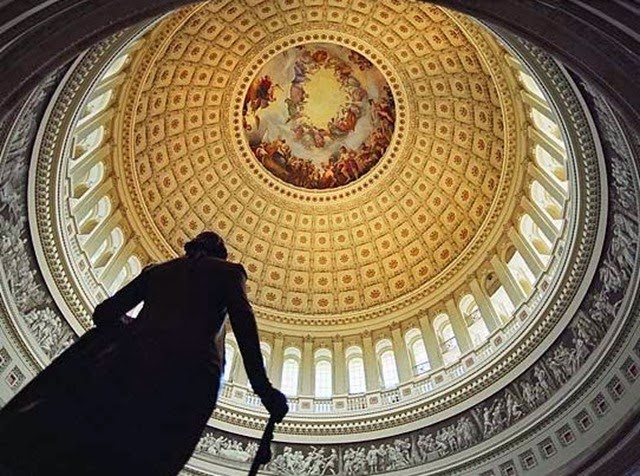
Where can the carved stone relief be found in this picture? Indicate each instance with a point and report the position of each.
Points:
(23, 288)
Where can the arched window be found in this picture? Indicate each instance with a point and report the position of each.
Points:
(551, 166)
(92, 178)
(530, 84)
(130, 269)
(547, 126)
(89, 142)
(472, 317)
(133, 267)
(97, 104)
(418, 352)
(265, 350)
(502, 304)
(95, 216)
(118, 281)
(108, 248)
(546, 203)
(323, 367)
(291, 371)
(355, 369)
(521, 272)
(387, 360)
(531, 233)
(116, 66)
(446, 339)
(229, 361)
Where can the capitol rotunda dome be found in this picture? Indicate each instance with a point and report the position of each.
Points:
(438, 251)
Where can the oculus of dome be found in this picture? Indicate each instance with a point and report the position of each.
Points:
(319, 116)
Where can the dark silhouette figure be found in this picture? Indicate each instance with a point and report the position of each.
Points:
(132, 396)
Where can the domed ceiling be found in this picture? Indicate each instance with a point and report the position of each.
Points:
(356, 158)
(370, 164)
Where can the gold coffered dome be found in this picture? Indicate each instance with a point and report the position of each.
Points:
(357, 158)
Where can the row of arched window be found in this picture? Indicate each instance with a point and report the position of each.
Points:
(323, 366)
(99, 234)
(449, 347)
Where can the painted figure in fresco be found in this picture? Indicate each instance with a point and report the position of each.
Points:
(261, 93)
(293, 109)
(133, 396)
(362, 62)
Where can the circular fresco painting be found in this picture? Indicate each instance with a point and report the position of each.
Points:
(319, 116)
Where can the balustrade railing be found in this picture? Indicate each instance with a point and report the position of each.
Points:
(390, 397)
(485, 351)
(423, 386)
(456, 370)
(252, 400)
(293, 403)
(323, 406)
(356, 403)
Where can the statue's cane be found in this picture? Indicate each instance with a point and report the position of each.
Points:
(263, 455)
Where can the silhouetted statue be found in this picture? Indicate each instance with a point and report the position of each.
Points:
(134, 398)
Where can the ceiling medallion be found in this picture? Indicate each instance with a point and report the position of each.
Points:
(318, 115)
